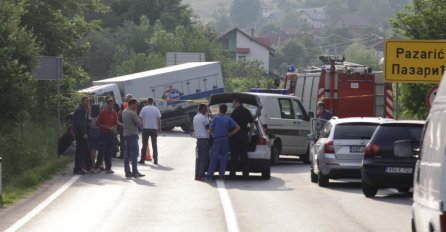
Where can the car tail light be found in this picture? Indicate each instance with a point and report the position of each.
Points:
(329, 147)
(443, 222)
(371, 149)
(262, 140)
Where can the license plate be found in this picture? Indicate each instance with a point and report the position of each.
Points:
(357, 149)
(399, 170)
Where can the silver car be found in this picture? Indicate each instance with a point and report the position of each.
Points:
(339, 146)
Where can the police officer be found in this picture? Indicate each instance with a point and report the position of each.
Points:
(238, 144)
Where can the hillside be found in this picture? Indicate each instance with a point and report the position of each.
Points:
(205, 8)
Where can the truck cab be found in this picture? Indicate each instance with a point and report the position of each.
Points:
(99, 92)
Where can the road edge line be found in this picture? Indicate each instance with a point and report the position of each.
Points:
(22, 221)
(231, 220)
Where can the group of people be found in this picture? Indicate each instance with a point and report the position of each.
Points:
(94, 129)
(224, 133)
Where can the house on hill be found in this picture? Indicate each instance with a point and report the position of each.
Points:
(242, 46)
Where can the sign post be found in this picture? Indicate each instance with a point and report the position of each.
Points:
(414, 61)
(51, 68)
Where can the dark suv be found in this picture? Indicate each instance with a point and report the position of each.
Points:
(381, 168)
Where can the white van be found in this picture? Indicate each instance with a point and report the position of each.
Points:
(429, 207)
(287, 124)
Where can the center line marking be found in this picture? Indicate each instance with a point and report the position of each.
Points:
(25, 219)
(231, 220)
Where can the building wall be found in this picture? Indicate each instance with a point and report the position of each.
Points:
(256, 51)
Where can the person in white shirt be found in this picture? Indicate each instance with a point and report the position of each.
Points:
(151, 119)
(201, 130)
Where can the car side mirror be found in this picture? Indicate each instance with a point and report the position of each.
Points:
(404, 149)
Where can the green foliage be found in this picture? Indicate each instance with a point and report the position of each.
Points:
(241, 76)
(360, 54)
(27, 147)
(138, 47)
(422, 19)
(18, 49)
(413, 100)
(171, 13)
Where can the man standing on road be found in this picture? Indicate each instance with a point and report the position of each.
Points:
(131, 124)
(80, 129)
(107, 122)
(222, 127)
(201, 130)
(238, 144)
(323, 112)
(151, 119)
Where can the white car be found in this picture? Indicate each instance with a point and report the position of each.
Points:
(287, 123)
(339, 149)
(259, 154)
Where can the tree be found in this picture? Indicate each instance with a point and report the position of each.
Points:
(245, 12)
(170, 12)
(58, 27)
(241, 76)
(360, 54)
(18, 49)
(421, 19)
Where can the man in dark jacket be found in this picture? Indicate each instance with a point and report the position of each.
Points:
(80, 129)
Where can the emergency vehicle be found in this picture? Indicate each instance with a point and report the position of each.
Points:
(347, 89)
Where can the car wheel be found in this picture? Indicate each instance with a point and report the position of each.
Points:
(306, 157)
(323, 181)
(403, 189)
(186, 127)
(369, 190)
(275, 153)
(266, 174)
(314, 177)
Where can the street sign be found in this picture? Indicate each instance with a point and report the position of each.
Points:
(431, 96)
(48, 68)
(416, 61)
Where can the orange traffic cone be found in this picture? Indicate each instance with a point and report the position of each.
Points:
(148, 157)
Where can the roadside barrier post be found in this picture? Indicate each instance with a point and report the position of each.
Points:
(1, 188)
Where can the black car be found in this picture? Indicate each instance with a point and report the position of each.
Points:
(381, 167)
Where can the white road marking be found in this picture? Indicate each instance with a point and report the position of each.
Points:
(231, 220)
(25, 219)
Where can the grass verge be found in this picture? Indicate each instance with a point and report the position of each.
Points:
(28, 182)
(29, 158)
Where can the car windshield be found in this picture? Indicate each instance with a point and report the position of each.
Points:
(214, 108)
(354, 130)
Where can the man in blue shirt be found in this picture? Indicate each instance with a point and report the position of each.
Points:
(222, 127)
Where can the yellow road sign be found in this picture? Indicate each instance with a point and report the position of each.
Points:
(414, 60)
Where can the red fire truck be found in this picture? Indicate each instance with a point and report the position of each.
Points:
(347, 89)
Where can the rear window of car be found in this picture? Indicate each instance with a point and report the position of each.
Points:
(354, 130)
(388, 134)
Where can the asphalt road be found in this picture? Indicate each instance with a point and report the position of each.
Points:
(169, 199)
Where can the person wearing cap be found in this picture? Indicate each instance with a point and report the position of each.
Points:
(131, 124)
